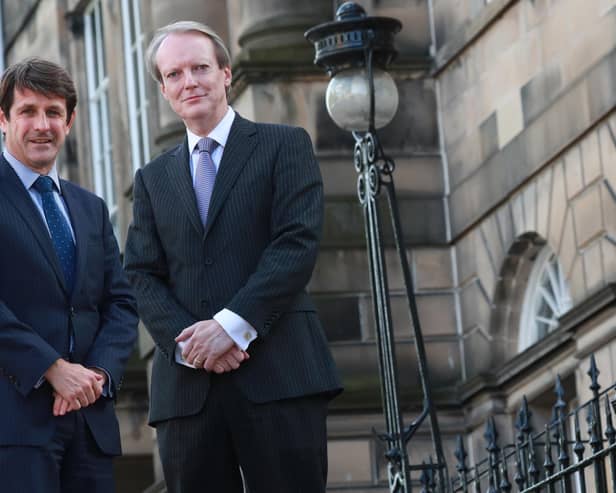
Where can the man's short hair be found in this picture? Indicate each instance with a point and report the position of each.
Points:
(222, 53)
(40, 76)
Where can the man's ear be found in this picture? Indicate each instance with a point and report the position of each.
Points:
(228, 76)
(70, 122)
(4, 121)
(163, 90)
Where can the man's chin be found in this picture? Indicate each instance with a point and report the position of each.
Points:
(42, 161)
(196, 109)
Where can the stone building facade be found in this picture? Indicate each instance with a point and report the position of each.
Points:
(505, 146)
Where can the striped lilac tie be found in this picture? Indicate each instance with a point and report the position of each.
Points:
(205, 176)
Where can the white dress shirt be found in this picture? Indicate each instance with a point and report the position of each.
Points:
(28, 177)
(235, 326)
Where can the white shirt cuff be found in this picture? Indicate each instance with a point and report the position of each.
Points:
(236, 327)
(178, 354)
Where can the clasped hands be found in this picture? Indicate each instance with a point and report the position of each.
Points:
(74, 385)
(208, 346)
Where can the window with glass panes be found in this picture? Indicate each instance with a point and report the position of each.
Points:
(135, 83)
(98, 106)
(547, 299)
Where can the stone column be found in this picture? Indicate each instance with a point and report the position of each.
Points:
(273, 30)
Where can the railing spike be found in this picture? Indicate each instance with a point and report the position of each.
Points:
(578, 450)
(533, 471)
(578, 447)
(505, 485)
(519, 476)
(593, 373)
(563, 456)
(595, 440)
(491, 435)
(542, 461)
(522, 423)
(610, 432)
(477, 479)
(548, 463)
(461, 455)
(524, 430)
(560, 405)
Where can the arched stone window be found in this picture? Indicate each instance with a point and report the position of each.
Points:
(546, 299)
(530, 297)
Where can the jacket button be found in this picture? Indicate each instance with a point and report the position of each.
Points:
(205, 302)
(208, 261)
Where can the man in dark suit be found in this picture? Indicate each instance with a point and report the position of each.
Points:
(224, 238)
(67, 316)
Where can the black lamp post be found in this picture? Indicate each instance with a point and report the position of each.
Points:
(361, 97)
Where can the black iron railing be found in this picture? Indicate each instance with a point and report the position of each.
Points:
(566, 457)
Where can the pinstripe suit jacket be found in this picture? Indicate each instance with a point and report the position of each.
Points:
(37, 313)
(254, 256)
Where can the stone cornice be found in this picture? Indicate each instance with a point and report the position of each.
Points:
(560, 342)
(574, 319)
(247, 72)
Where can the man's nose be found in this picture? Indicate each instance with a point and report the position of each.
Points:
(189, 79)
(42, 122)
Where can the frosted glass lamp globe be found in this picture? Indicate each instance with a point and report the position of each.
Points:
(348, 99)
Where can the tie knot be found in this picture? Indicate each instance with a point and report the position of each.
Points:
(43, 184)
(206, 144)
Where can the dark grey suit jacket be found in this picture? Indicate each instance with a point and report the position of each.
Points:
(254, 257)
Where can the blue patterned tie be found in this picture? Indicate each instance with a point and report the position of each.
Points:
(205, 176)
(59, 229)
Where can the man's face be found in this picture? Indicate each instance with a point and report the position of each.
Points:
(36, 128)
(192, 81)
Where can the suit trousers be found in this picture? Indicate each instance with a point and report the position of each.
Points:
(71, 463)
(280, 446)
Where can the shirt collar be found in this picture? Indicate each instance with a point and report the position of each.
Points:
(220, 133)
(28, 176)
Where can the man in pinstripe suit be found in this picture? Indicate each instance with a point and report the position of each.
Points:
(220, 259)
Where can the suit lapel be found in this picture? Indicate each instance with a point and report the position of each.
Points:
(13, 189)
(240, 145)
(78, 222)
(180, 179)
